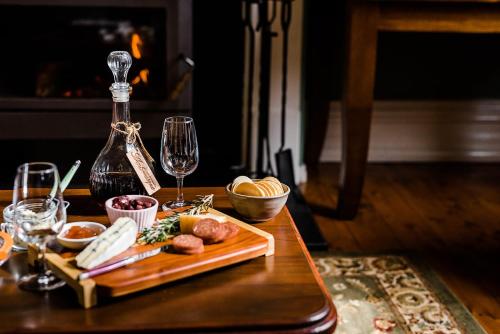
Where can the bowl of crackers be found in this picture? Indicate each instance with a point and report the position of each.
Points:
(257, 199)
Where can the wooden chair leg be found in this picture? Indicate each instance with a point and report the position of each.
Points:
(357, 102)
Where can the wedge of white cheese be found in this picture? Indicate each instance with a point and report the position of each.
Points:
(115, 240)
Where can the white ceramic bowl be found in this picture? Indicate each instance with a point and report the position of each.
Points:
(78, 243)
(256, 208)
(144, 217)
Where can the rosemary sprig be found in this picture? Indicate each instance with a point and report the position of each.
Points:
(164, 229)
(201, 204)
(168, 227)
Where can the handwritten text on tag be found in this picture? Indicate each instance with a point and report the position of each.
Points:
(142, 169)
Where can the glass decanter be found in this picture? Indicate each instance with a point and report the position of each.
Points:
(112, 174)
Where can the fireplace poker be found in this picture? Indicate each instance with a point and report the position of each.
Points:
(248, 23)
(284, 161)
(296, 203)
(265, 26)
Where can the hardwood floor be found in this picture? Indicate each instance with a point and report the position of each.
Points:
(447, 213)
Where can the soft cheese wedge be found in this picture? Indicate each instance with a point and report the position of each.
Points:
(187, 221)
(115, 240)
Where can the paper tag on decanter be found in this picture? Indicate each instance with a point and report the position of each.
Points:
(142, 169)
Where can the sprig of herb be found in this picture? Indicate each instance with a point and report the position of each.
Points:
(164, 229)
(169, 227)
(201, 204)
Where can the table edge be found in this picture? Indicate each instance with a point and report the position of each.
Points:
(323, 320)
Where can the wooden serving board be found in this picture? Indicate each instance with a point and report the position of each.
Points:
(168, 266)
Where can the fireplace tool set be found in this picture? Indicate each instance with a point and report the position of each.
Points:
(266, 13)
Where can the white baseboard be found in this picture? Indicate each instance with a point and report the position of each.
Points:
(426, 131)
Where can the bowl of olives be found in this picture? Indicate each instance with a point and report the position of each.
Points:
(142, 209)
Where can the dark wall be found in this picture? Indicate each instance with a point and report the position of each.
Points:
(438, 66)
(409, 65)
(218, 51)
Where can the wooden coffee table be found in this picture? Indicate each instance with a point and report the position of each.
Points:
(280, 293)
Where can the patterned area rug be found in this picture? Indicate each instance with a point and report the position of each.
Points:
(390, 294)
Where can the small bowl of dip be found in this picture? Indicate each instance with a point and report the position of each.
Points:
(79, 234)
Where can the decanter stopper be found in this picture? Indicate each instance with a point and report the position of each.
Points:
(119, 62)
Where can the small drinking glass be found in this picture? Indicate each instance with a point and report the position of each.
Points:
(8, 227)
(179, 153)
(39, 215)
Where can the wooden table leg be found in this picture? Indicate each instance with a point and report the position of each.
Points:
(357, 102)
(316, 127)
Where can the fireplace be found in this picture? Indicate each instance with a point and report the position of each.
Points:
(54, 99)
(58, 49)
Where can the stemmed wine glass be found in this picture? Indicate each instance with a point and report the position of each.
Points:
(179, 153)
(39, 215)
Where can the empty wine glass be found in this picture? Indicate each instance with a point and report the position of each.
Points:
(39, 214)
(179, 153)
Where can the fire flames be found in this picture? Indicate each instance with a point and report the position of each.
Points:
(142, 77)
(136, 44)
(48, 84)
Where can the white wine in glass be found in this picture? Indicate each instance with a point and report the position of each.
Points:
(39, 215)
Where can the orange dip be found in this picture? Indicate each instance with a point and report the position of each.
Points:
(82, 232)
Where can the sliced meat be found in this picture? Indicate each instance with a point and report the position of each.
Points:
(231, 230)
(210, 230)
(188, 244)
(198, 250)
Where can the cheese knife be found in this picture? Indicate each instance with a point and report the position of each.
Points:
(121, 263)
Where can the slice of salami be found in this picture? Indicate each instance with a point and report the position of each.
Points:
(210, 230)
(198, 250)
(231, 230)
(188, 244)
